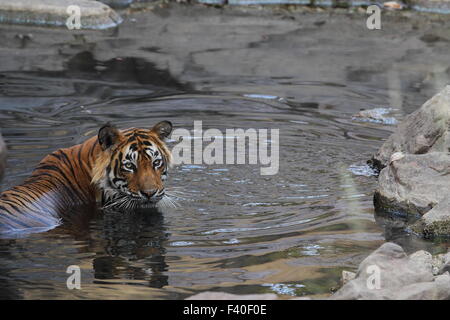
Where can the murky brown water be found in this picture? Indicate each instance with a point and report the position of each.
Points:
(234, 230)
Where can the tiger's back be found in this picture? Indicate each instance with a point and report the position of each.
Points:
(61, 179)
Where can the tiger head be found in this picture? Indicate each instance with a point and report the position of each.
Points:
(132, 166)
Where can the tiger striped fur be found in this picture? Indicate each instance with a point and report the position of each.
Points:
(121, 169)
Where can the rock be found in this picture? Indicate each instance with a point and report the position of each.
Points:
(2, 157)
(423, 131)
(388, 273)
(210, 295)
(94, 14)
(347, 276)
(441, 263)
(424, 259)
(415, 163)
(445, 267)
(436, 222)
(413, 184)
(439, 289)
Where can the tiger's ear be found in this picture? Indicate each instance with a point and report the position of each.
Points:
(163, 129)
(108, 135)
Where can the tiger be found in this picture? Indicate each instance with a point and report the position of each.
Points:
(116, 169)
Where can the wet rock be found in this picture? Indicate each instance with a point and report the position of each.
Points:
(2, 157)
(445, 267)
(388, 273)
(413, 184)
(417, 182)
(210, 295)
(94, 14)
(436, 222)
(347, 276)
(423, 131)
(441, 263)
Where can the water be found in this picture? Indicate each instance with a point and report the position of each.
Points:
(234, 230)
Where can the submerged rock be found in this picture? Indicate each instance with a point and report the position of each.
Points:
(389, 273)
(2, 157)
(415, 163)
(377, 115)
(94, 14)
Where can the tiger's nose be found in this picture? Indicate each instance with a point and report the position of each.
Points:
(154, 194)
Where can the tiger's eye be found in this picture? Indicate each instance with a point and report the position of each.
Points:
(156, 163)
(129, 166)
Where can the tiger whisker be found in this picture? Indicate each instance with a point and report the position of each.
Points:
(175, 196)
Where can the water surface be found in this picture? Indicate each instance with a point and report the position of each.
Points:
(234, 230)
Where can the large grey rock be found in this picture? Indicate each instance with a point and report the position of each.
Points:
(2, 157)
(400, 277)
(425, 130)
(94, 14)
(413, 184)
(415, 163)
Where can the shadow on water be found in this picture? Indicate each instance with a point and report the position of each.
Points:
(396, 228)
(129, 237)
(127, 69)
(128, 247)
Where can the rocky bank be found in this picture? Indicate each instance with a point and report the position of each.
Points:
(93, 14)
(414, 165)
